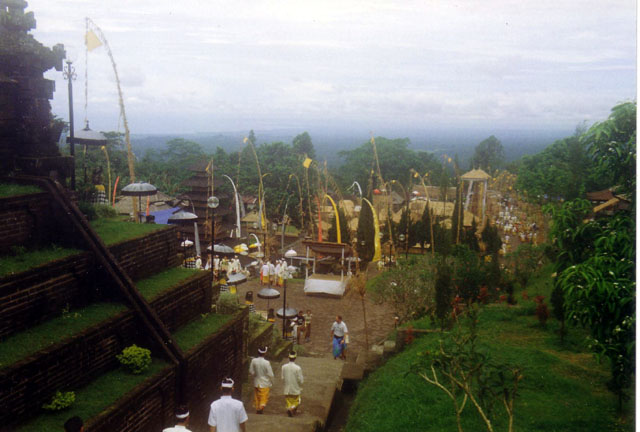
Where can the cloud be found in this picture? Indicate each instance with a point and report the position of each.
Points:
(498, 61)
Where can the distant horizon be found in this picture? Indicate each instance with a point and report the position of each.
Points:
(372, 66)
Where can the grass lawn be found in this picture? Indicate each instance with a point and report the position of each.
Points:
(21, 345)
(155, 285)
(114, 230)
(199, 329)
(94, 398)
(10, 189)
(563, 388)
(24, 260)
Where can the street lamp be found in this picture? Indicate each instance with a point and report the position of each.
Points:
(402, 239)
(213, 202)
(70, 75)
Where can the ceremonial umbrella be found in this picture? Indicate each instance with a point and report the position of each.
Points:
(236, 278)
(291, 312)
(182, 217)
(269, 294)
(139, 189)
(221, 248)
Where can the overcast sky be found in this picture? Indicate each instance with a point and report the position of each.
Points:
(201, 66)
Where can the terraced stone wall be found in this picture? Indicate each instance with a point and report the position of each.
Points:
(24, 221)
(151, 406)
(26, 385)
(221, 355)
(179, 306)
(148, 255)
(36, 295)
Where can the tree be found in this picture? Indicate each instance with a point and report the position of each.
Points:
(491, 239)
(365, 233)
(395, 157)
(302, 145)
(345, 233)
(612, 145)
(524, 262)
(489, 155)
(562, 170)
(596, 272)
(444, 293)
(595, 262)
(408, 287)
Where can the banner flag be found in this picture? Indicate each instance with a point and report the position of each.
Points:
(92, 41)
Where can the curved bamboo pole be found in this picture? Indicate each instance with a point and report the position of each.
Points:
(426, 193)
(127, 136)
(335, 210)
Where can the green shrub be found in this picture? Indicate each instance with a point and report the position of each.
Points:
(105, 211)
(135, 359)
(60, 401)
(227, 303)
(255, 322)
(88, 210)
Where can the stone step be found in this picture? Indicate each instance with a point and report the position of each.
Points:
(322, 377)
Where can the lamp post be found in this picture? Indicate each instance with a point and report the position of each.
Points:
(213, 202)
(405, 240)
(70, 74)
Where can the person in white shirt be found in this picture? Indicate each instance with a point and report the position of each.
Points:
(272, 273)
(264, 273)
(182, 420)
(293, 380)
(227, 414)
(339, 332)
(260, 369)
(277, 273)
(198, 262)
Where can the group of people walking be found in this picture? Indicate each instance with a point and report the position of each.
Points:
(274, 274)
(263, 377)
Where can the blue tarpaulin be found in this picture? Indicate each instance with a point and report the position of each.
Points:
(162, 216)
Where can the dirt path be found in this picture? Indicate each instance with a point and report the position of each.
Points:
(380, 318)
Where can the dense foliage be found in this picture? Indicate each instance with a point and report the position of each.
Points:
(489, 155)
(396, 160)
(595, 260)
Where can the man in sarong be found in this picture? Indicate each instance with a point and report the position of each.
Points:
(339, 333)
(262, 373)
(293, 380)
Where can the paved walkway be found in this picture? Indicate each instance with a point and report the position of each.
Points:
(321, 372)
(321, 377)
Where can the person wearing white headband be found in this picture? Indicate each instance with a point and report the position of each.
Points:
(260, 369)
(227, 414)
(182, 420)
(293, 380)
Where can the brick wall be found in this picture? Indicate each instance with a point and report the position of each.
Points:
(38, 294)
(26, 385)
(264, 338)
(221, 355)
(149, 255)
(179, 306)
(24, 221)
(151, 406)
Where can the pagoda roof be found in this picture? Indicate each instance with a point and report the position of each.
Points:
(476, 174)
